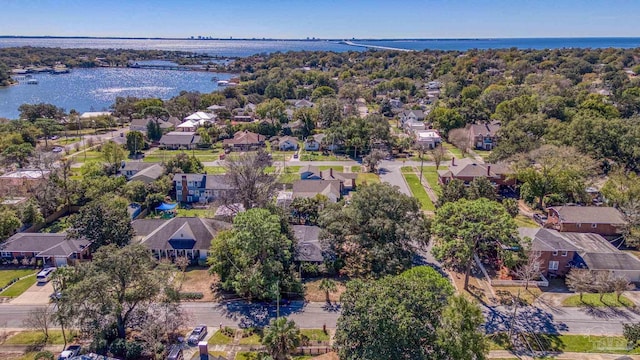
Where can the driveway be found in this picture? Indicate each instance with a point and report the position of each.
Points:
(35, 295)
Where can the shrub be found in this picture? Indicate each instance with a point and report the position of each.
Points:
(228, 331)
(44, 355)
(191, 295)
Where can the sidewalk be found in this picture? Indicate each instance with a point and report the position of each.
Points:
(504, 354)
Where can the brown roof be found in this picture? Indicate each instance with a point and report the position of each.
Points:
(471, 168)
(589, 215)
(245, 137)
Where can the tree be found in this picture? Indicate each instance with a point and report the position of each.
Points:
(481, 187)
(328, 286)
(329, 112)
(620, 284)
(135, 191)
(273, 110)
(255, 258)
(32, 112)
(580, 281)
(406, 317)
(18, 153)
(373, 159)
(452, 191)
(183, 163)
(460, 138)
(135, 142)
(30, 213)
(438, 155)
(530, 270)
(603, 281)
(281, 338)
(446, 119)
(40, 319)
(102, 222)
(154, 131)
(113, 154)
(308, 118)
(9, 223)
(48, 128)
(631, 332)
(321, 92)
(511, 205)
(247, 175)
(377, 233)
(459, 333)
(113, 293)
(468, 228)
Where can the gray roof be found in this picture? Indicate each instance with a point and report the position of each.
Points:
(484, 129)
(308, 248)
(143, 123)
(547, 239)
(311, 188)
(611, 261)
(179, 138)
(149, 174)
(419, 114)
(589, 215)
(179, 233)
(212, 182)
(44, 244)
(136, 166)
(467, 167)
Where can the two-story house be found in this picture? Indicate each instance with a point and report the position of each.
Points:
(202, 188)
(484, 136)
(415, 115)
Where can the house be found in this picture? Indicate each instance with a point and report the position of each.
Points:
(22, 182)
(188, 126)
(427, 138)
(468, 169)
(52, 249)
(396, 103)
(556, 252)
(298, 104)
(188, 237)
(201, 115)
(244, 141)
(313, 143)
(141, 125)
(605, 221)
(149, 174)
(94, 114)
(286, 143)
(203, 188)
(332, 189)
(415, 115)
(308, 248)
(131, 168)
(179, 140)
(434, 85)
(484, 136)
(214, 108)
(347, 180)
(413, 125)
(243, 118)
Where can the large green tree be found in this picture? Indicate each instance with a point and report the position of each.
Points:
(255, 258)
(135, 142)
(376, 233)
(9, 223)
(409, 316)
(102, 221)
(113, 154)
(183, 163)
(466, 228)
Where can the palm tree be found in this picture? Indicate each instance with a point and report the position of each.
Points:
(328, 286)
(281, 337)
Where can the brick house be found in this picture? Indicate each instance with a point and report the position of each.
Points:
(468, 169)
(244, 141)
(484, 136)
(51, 249)
(556, 252)
(605, 221)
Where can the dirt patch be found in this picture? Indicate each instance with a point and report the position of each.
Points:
(314, 294)
(475, 292)
(199, 280)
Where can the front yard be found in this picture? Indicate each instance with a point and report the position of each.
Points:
(367, 178)
(593, 300)
(7, 275)
(419, 192)
(198, 280)
(314, 294)
(19, 287)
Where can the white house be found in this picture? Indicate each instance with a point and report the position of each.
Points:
(415, 115)
(428, 138)
(288, 143)
(201, 115)
(313, 143)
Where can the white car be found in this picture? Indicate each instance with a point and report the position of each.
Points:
(57, 149)
(71, 351)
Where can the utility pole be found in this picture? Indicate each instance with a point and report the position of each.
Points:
(516, 302)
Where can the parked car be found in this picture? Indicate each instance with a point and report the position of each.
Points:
(54, 137)
(198, 333)
(175, 353)
(57, 149)
(70, 352)
(295, 156)
(44, 275)
(55, 296)
(540, 219)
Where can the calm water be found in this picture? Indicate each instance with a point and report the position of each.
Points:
(96, 89)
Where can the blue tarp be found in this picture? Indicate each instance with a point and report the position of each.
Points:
(165, 207)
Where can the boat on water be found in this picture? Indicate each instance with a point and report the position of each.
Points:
(223, 83)
(32, 82)
(215, 78)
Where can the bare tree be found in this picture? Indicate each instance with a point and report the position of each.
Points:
(252, 186)
(40, 319)
(182, 263)
(530, 270)
(580, 281)
(162, 325)
(460, 138)
(438, 155)
(603, 283)
(620, 284)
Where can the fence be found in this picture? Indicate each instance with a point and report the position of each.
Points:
(53, 217)
(544, 282)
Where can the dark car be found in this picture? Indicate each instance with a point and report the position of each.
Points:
(198, 333)
(540, 219)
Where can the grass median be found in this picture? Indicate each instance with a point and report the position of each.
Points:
(419, 192)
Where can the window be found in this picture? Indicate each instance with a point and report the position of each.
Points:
(565, 253)
(594, 225)
(555, 253)
(578, 225)
(553, 265)
(6, 254)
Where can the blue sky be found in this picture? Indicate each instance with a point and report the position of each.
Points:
(321, 19)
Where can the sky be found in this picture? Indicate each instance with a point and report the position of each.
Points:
(296, 19)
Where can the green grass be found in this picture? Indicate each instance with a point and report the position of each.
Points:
(35, 337)
(419, 192)
(483, 153)
(247, 355)
(68, 141)
(593, 300)
(315, 334)
(8, 275)
(339, 168)
(288, 178)
(453, 150)
(201, 154)
(581, 344)
(19, 287)
(356, 169)
(215, 170)
(253, 339)
(430, 174)
(523, 221)
(408, 169)
(200, 213)
(367, 178)
(220, 339)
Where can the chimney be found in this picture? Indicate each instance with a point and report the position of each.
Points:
(488, 170)
(331, 172)
(453, 161)
(204, 350)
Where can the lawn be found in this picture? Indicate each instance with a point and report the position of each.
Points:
(408, 169)
(201, 154)
(288, 178)
(419, 192)
(35, 337)
(197, 279)
(339, 168)
(253, 339)
(312, 290)
(68, 141)
(8, 275)
(217, 170)
(593, 300)
(581, 344)
(315, 334)
(317, 156)
(509, 293)
(19, 287)
(356, 169)
(523, 221)
(483, 153)
(367, 178)
(200, 213)
(453, 150)
(247, 355)
(220, 339)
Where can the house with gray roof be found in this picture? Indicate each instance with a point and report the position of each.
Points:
(188, 237)
(468, 169)
(308, 248)
(202, 188)
(415, 115)
(347, 180)
(179, 140)
(141, 124)
(607, 221)
(146, 172)
(332, 189)
(484, 136)
(51, 249)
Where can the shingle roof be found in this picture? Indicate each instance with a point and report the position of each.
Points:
(311, 188)
(467, 167)
(149, 174)
(308, 248)
(244, 137)
(179, 138)
(180, 233)
(611, 261)
(44, 244)
(136, 166)
(546, 239)
(589, 215)
(484, 129)
(212, 182)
